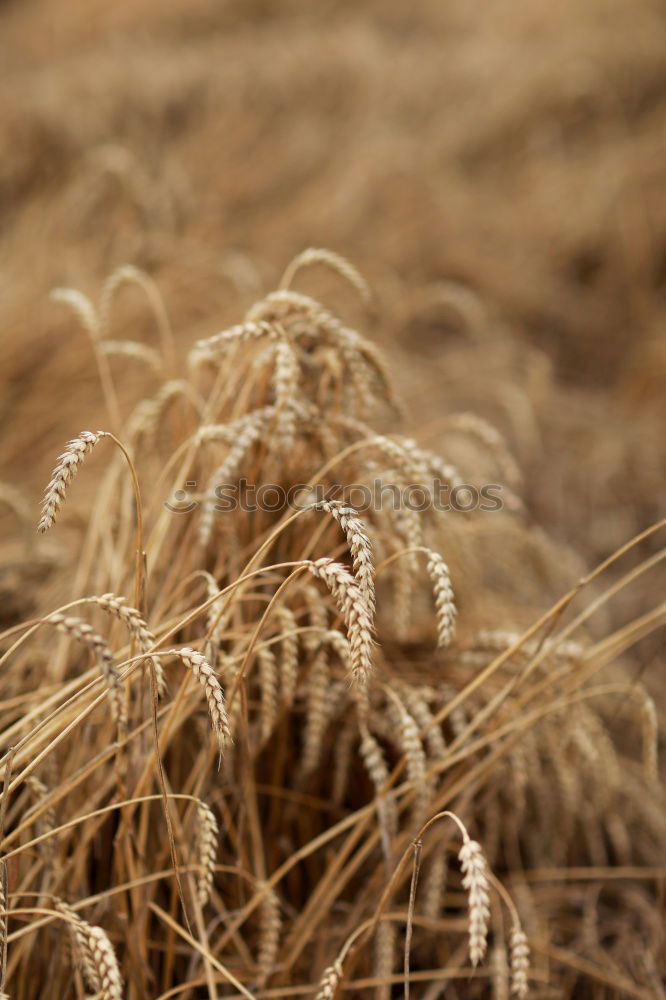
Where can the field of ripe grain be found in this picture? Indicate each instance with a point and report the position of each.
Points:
(332, 585)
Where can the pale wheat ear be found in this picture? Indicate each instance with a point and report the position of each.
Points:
(475, 880)
(359, 543)
(520, 961)
(96, 954)
(335, 262)
(137, 628)
(207, 833)
(354, 608)
(85, 633)
(204, 673)
(329, 982)
(63, 473)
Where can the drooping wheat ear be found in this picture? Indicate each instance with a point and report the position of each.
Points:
(249, 429)
(137, 628)
(95, 953)
(207, 832)
(384, 958)
(416, 700)
(79, 932)
(317, 713)
(377, 768)
(359, 544)
(205, 351)
(285, 382)
(490, 438)
(268, 683)
(47, 821)
(329, 982)
(444, 600)
(500, 972)
(354, 609)
(65, 470)
(84, 633)
(106, 963)
(127, 274)
(204, 673)
(270, 925)
(337, 263)
(289, 658)
(520, 961)
(81, 306)
(147, 416)
(135, 350)
(411, 747)
(475, 881)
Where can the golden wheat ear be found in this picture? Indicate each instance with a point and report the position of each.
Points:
(65, 470)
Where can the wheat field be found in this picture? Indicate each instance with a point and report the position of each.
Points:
(331, 553)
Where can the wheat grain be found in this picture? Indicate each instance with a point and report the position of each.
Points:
(206, 835)
(84, 633)
(65, 470)
(520, 961)
(475, 881)
(204, 673)
(353, 607)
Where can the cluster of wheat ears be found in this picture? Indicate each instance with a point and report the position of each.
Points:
(265, 753)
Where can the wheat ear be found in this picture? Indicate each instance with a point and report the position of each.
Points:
(336, 262)
(96, 953)
(444, 600)
(354, 609)
(204, 673)
(207, 832)
(65, 470)
(520, 961)
(329, 982)
(137, 627)
(85, 634)
(359, 544)
(270, 921)
(475, 881)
